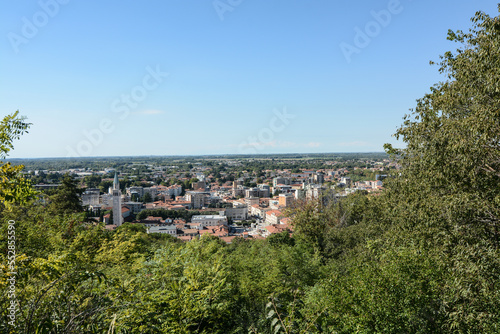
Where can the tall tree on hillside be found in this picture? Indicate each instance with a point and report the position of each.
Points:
(447, 196)
(433, 263)
(147, 198)
(453, 135)
(67, 197)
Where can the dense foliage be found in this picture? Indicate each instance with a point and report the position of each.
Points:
(13, 187)
(422, 257)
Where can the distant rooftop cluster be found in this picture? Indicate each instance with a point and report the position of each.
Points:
(228, 197)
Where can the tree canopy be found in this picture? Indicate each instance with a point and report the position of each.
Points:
(13, 187)
(67, 196)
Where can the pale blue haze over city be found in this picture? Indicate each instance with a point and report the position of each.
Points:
(243, 76)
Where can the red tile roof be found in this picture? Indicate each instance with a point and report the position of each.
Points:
(228, 239)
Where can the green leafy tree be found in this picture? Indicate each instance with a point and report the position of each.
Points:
(447, 195)
(14, 188)
(195, 293)
(423, 257)
(92, 181)
(433, 266)
(105, 185)
(67, 197)
(147, 198)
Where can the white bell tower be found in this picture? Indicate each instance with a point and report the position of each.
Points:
(117, 202)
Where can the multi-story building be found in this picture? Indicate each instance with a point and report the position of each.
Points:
(283, 188)
(300, 194)
(319, 178)
(238, 191)
(252, 192)
(171, 191)
(251, 201)
(258, 211)
(135, 207)
(168, 229)
(273, 217)
(346, 181)
(196, 198)
(153, 191)
(90, 196)
(106, 200)
(281, 180)
(264, 190)
(138, 191)
(285, 200)
(313, 191)
(239, 211)
(209, 220)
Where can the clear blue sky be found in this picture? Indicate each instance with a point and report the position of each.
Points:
(232, 65)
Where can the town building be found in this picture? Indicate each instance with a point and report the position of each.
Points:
(285, 200)
(135, 207)
(273, 217)
(90, 196)
(117, 202)
(281, 180)
(239, 211)
(197, 199)
(167, 229)
(209, 220)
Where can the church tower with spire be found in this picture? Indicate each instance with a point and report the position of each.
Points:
(117, 202)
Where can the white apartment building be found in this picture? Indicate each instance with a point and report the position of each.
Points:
(238, 212)
(169, 229)
(209, 220)
(90, 197)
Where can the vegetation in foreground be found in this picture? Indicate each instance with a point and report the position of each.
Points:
(423, 257)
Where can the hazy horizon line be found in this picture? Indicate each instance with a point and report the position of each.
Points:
(198, 155)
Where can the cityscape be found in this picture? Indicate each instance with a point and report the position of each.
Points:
(230, 201)
(250, 167)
